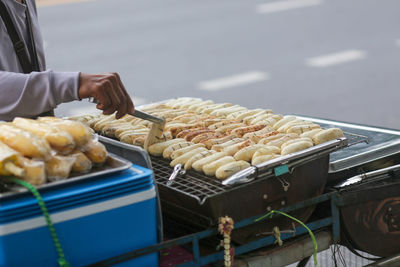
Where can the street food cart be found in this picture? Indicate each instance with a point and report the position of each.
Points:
(344, 191)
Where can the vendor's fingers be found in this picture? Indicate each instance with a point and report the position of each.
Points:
(118, 91)
(129, 103)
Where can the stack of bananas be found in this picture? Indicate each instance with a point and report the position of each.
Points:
(218, 139)
(47, 149)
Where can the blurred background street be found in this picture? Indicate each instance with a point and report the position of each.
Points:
(332, 59)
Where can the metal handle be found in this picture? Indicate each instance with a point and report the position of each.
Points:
(146, 116)
(136, 113)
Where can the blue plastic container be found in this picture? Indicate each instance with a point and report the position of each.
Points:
(95, 219)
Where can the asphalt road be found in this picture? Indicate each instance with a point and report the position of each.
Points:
(331, 59)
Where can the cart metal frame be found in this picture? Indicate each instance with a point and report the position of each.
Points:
(332, 221)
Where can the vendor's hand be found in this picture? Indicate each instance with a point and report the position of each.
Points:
(108, 90)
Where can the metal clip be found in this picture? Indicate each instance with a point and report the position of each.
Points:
(177, 171)
(285, 184)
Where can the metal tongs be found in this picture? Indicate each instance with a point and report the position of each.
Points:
(136, 113)
(177, 171)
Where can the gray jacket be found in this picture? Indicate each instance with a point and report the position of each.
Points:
(27, 95)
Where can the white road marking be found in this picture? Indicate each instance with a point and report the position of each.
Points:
(233, 81)
(336, 58)
(286, 5)
(43, 3)
(398, 42)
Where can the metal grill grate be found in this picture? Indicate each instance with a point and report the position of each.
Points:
(194, 184)
(353, 139)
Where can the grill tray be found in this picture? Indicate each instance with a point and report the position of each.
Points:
(112, 165)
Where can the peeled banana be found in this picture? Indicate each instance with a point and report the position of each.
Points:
(24, 142)
(95, 151)
(35, 171)
(82, 163)
(79, 131)
(8, 161)
(59, 167)
(58, 139)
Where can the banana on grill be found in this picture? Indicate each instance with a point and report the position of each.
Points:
(9, 161)
(285, 127)
(248, 113)
(278, 142)
(267, 150)
(247, 153)
(198, 156)
(58, 167)
(283, 121)
(24, 142)
(222, 146)
(59, 140)
(302, 128)
(35, 171)
(247, 129)
(174, 147)
(231, 150)
(95, 151)
(182, 159)
(310, 134)
(82, 164)
(295, 147)
(198, 165)
(306, 139)
(130, 137)
(158, 148)
(218, 140)
(228, 128)
(262, 158)
(210, 168)
(327, 135)
(231, 168)
(258, 135)
(180, 152)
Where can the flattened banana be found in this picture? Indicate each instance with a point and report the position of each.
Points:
(198, 156)
(170, 149)
(158, 148)
(267, 150)
(283, 121)
(262, 158)
(210, 168)
(327, 135)
(180, 152)
(246, 153)
(296, 140)
(310, 134)
(182, 159)
(198, 165)
(231, 168)
(295, 147)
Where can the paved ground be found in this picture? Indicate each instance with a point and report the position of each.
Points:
(323, 58)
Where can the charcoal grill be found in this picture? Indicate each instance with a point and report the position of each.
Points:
(197, 200)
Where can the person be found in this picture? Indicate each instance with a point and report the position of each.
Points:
(29, 90)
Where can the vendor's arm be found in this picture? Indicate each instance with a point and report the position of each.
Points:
(27, 95)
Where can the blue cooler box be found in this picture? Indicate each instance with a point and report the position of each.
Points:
(95, 219)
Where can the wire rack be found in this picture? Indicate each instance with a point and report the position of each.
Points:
(200, 186)
(193, 183)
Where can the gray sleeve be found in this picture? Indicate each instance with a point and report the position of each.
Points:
(27, 95)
